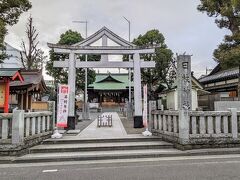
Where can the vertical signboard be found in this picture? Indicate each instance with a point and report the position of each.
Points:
(184, 83)
(63, 101)
(145, 123)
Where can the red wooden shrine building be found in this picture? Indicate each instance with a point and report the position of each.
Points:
(7, 76)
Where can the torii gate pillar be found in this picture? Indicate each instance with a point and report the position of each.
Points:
(71, 83)
(138, 121)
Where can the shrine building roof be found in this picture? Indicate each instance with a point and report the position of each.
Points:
(110, 82)
(33, 79)
(220, 75)
(11, 73)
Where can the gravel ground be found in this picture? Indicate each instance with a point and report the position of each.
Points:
(85, 123)
(128, 125)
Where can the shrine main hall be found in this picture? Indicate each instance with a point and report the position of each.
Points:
(110, 89)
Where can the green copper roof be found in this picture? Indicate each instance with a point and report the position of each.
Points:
(110, 82)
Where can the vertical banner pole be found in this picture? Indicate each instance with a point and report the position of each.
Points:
(62, 108)
(145, 120)
(63, 103)
(145, 111)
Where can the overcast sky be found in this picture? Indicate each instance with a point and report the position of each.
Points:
(184, 28)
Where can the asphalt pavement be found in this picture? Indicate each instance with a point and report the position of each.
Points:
(221, 167)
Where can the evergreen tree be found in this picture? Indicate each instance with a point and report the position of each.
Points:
(227, 16)
(10, 10)
(163, 57)
(61, 74)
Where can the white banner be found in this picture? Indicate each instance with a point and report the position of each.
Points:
(63, 101)
(145, 119)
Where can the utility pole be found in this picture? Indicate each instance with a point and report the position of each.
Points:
(85, 113)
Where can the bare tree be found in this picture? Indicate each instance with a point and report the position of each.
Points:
(32, 57)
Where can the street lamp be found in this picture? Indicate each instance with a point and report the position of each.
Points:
(129, 70)
(129, 28)
(85, 112)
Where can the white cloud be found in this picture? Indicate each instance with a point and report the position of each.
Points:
(184, 28)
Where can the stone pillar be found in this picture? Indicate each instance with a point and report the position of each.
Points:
(184, 86)
(138, 121)
(183, 127)
(52, 108)
(152, 106)
(71, 83)
(18, 127)
(33, 125)
(234, 123)
(4, 128)
(184, 82)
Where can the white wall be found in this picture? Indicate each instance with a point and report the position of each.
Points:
(14, 59)
(194, 99)
(172, 100)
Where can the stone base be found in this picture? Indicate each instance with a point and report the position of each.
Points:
(138, 122)
(76, 131)
(23, 148)
(71, 123)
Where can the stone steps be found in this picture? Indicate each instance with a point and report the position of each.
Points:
(97, 155)
(76, 140)
(97, 149)
(94, 156)
(76, 149)
(99, 146)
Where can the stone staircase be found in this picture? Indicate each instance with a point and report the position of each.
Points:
(98, 149)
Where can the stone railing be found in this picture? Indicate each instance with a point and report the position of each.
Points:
(238, 120)
(197, 127)
(166, 122)
(19, 126)
(5, 127)
(212, 124)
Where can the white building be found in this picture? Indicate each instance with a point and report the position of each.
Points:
(14, 58)
(171, 95)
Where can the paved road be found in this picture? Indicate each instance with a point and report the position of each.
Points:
(224, 167)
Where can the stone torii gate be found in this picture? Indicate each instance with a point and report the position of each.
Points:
(124, 48)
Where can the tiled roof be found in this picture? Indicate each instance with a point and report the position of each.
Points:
(119, 82)
(8, 72)
(31, 78)
(222, 75)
